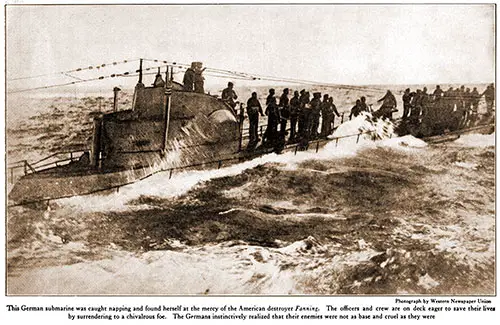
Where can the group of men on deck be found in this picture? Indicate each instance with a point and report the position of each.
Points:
(193, 78)
(301, 111)
(388, 107)
(453, 108)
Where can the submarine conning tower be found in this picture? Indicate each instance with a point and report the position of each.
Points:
(164, 118)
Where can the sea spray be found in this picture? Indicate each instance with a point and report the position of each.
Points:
(373, 128)
(160, 184)
(411, 226)
(476, 140)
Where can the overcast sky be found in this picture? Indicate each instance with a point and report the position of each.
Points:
(345, 44)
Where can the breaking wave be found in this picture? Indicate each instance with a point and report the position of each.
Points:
(375, 215)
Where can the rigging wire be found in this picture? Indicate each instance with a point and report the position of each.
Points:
(250, 76)
(90, 67)
(78, 81)
(213, 72)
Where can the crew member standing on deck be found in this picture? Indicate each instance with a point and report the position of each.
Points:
(407, 96)
(447, 105)
(455, 99)
(388, 105)
(273, 118)
(356, 109)
(199, 80)
(475, 105)
(438, 92)
(467, 106)
(424, 101)
(475, 99)
(270, 96)
(460, 113)
(416, 107)
(489, 95)
(327, 111)
(158, 80)
(253, 110)
(188, 80)
(315, 115)
(229, 95)
(305, 109)
(333, 109)
(284, 107)
(294, 114)
(468, 99)
(363, 107)
(325, 115)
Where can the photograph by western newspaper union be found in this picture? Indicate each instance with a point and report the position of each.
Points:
(251, 162)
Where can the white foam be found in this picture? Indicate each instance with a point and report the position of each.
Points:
(379, 129)
(159, 185)
(209, 269)
(212, 269)
(427, 282)
(466, 165)
(476, 140)
(407, 142)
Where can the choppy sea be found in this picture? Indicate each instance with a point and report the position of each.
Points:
(387, 216)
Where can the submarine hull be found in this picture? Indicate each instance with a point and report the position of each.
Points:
(62, 182)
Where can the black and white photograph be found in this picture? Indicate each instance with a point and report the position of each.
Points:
(250, 149)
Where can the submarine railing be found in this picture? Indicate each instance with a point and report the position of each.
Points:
(36, 166)
(171, 170)
(246, 131)
(29, 168)
(295, 147)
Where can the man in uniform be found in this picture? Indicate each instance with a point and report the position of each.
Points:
(158, 80)
(388, 105)
(407, 96)
(438, 92)
(333, 109)
(199, 80)
(416, 107)
(273, 118)
(327, 111)
(315, 115)
(294, 114)
(284, 108)
(363, 107)
(447, 105)
(467, 106)
(253, 110)
(356, 109)
(424, 101)
(460, 112)
(457, 99)
(326, 116)
(468, 99)
(269, 97)
(475, 97)
(305, 109)
(188, 80)
(489, 96)
(229, 95)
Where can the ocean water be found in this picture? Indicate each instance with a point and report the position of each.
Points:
(386, 215)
